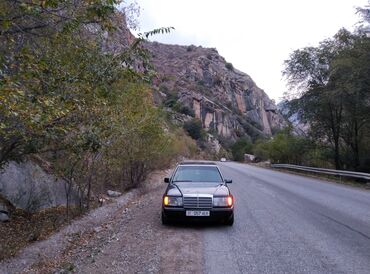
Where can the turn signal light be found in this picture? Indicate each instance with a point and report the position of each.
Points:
(229, 201)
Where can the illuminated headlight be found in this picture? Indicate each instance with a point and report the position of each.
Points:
(172, 201)
(226, 201)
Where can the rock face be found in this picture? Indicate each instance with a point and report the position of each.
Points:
(28, 186)
(299, 127)
(226, 100)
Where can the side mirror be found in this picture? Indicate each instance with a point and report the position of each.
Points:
(167, 180)
(228, 181)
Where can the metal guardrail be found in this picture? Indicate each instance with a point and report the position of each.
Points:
(341, 173)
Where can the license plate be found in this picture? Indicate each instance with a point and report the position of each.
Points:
(197, 213)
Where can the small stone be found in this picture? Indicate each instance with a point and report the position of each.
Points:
(33, 237)
(98, 229)
(4, 217)
(112, 193)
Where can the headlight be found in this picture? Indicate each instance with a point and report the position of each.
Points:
(226, 201)
(172, 201)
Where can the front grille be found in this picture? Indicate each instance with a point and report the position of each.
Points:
(197, 202)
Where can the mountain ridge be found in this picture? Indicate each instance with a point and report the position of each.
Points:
(197, 82)
(226, 100)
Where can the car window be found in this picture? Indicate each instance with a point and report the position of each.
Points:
(197, 174)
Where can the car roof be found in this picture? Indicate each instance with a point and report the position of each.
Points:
(197, 162)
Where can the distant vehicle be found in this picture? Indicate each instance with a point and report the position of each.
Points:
(223, 160)
(197, 191)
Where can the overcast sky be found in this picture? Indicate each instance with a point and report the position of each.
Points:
(256, 36)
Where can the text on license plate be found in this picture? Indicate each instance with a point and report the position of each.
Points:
(197, 213)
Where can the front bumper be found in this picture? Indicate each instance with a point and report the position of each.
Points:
(216, 214)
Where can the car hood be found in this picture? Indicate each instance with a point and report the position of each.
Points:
(199, 188)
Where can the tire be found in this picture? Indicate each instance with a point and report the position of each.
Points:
(230, 221)
(165, 220)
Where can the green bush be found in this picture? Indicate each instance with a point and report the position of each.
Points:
(194, 129)
(286, 148)
(171, 100)
(187, 111)
(240, 147)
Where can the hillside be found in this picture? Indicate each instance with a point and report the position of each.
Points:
(226, 100)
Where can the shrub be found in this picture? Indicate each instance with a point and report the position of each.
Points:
(229, 66)
(171, 100)
(194, 129)
(187, 111)
(218, 81)
(164, 88)
(240, 147)
(286, 148)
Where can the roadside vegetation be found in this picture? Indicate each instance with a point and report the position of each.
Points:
(330, 93)
(65, 97)
(287, 147)
(330, 90)
(83, 109)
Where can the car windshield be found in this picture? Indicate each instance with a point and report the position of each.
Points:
(197, 174)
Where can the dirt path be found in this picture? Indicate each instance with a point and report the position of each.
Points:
(124, 237)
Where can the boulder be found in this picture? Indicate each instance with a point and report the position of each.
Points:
(28, 186)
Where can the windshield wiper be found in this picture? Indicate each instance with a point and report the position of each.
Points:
(182, 181)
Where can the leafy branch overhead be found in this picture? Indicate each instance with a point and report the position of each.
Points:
(144, 36)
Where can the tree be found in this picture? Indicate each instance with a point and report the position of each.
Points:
(55, 74)
(321, 98)
(365, 13)
(143, 141)
(334, 99)
(51, 70)
(65, 97)
(351, 70)
(241, 147)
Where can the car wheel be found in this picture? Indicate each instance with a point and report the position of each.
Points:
(230, 221)
(165, 220)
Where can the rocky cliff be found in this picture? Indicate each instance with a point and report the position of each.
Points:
(226, 100)
(196, 81)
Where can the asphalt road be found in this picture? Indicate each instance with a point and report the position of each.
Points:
(290, 224)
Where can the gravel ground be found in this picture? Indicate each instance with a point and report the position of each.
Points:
(122, 237)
